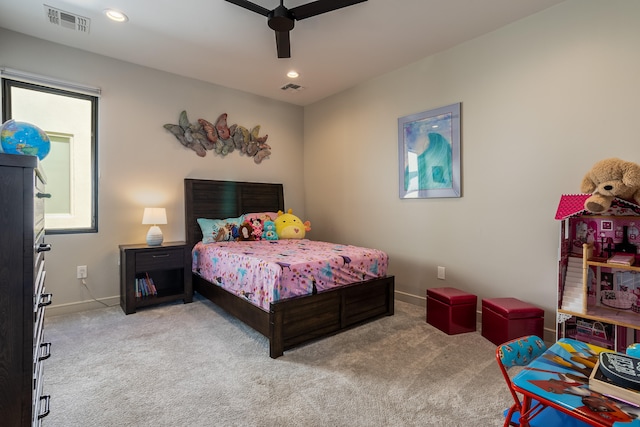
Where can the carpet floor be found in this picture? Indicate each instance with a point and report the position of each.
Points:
(193, 365)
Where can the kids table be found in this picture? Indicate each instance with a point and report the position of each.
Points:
(559, 378)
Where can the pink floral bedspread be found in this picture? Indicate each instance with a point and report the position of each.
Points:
(266, 271)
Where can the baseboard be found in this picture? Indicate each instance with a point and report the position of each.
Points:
(410, 298)
(549, 334)
(76, 307)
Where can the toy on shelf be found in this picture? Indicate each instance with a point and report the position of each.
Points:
(611, 178)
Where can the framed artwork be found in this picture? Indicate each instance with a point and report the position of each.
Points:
(429, 153)
(606, 225)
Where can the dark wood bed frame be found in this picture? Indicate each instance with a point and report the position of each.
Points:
(292, 321)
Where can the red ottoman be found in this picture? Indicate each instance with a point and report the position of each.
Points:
(451, 310)
(504, 319)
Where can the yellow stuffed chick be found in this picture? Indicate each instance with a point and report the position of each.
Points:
(289, 226)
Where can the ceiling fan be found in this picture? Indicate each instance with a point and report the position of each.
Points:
(282, 20)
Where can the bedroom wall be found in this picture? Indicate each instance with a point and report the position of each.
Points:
(542, 100)
(141, 163)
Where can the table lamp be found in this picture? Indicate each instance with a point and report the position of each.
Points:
(154, 216)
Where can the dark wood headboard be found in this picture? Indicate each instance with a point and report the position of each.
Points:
(226, 199)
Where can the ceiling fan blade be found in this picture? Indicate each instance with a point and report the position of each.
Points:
(320, 6)
(282, 44)
(251, 6)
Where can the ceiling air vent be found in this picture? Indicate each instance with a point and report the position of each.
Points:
(292, 86)
(67, 19)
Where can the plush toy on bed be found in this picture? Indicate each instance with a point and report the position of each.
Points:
(269, 230)
(256, 225)
(611, 178)
(289, 226)
(245, 232)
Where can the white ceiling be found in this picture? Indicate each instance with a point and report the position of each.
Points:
(221, 43)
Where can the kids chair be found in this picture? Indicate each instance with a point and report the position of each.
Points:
(521, 352)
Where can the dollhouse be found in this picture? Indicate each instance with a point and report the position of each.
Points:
(599, 273)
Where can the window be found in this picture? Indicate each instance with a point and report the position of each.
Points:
(70, 119)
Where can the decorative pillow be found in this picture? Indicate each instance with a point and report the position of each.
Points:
(219, 230)
(257, 220)
(260, 215)
(289, 226)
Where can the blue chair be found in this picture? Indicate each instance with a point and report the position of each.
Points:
(521, 352)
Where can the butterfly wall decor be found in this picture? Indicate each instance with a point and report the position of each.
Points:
(219, 137)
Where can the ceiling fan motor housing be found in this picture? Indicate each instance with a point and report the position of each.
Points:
(281, 19)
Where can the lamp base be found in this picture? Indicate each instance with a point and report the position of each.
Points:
(154, 236)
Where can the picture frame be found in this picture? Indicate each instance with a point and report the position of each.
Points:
(429, 153)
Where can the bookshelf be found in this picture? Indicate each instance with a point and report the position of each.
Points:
(152, 275)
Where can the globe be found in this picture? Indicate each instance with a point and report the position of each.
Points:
(24, 138)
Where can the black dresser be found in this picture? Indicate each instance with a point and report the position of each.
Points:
(23, 299)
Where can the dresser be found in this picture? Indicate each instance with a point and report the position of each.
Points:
(23, 299)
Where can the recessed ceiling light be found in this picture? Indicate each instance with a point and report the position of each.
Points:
(116, 15)
(292, 74)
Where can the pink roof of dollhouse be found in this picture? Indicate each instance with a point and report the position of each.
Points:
(572, 205)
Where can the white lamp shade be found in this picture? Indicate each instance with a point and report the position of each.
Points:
(154, 216)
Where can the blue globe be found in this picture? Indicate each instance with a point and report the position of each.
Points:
(24, 138)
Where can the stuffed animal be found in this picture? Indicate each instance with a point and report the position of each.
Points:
(289, 226)
(611, 178)
(269, 231)
(245, 232)
(256, 225)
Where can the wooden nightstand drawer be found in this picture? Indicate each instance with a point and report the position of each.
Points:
(160, 259)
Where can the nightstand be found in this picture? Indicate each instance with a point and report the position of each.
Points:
(154, 274)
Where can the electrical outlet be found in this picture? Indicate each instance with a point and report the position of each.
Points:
(440, 272)
(81, 271)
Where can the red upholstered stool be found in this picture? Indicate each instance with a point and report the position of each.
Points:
(451, 310)
(504, 319)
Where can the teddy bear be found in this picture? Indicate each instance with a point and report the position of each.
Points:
(269, 231)
(610, 178)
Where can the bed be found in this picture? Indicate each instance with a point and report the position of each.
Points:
(287, 322)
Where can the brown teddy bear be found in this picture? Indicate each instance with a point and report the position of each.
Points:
(611, 178)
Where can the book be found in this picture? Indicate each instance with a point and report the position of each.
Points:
(622, 259)
(622, 369)
(151, 285)
(603, 382)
